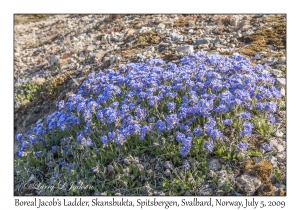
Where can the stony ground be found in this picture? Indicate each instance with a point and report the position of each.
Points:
(56, 53)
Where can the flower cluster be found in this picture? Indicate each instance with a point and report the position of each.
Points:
(197, 98)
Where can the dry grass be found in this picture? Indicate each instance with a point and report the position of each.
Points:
(29, 18)
(273, 34)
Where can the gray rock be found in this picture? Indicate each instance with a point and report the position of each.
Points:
(53, 60)
(257, 57)
(90, 48)
(281, 157)
(38, 80)
(277, 144)
(223, 177)
(238, 35)
(203, 46)
(280, 186)
(279, 133)
(273, 160)
(234, 21)
(105, 39)
(282, 91)
(249, 32)
(185, 49)
(202, 41)
(176, 37)
(218, 45)
(282, 59)
(212, 53)
(248, 184)
(280, 83)
(161, 26)
(276, 72)
(214, 164)
(232, 45)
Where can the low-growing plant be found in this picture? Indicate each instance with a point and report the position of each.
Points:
(204, 106)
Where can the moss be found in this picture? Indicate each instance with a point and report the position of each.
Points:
(266, 190)
(147, 38)
(281, 192)
(263, 170)
(247, 51)
(248, 165)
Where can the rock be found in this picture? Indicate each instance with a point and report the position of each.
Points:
(280, 186)
(105, 39)
(191, 23)
(232, 45)
(273, 160)
(130, 32)
(191, 31)
(161, 26)
(276, 72)
(234, 21)
(276, 144)
(248, 184)
(212, 53)
(90, 48)
(223, 177)
(238, 35)
(203, 46)
(219, 45)
(53, 60)
(257, 57)
(100, 55)
(176, 37)
(214, 164)
(282, 59)
(280, 83)
(202, 41)
(279, 133)
(282, 91)
(185, 49)
(38, 80)
(270, 61)
(249, 32)
(281, 157)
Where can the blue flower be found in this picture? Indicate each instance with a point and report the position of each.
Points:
(186, 165)
(265, 147)
(242, 146)
(227, 122)
(270, 118)
(245, 115)
(216, 134)
(197, 132)
(209, 145)
(171, 106)
(61, 104)
(180, 136)
(19, 137)
(104, 140)
(185, 150)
